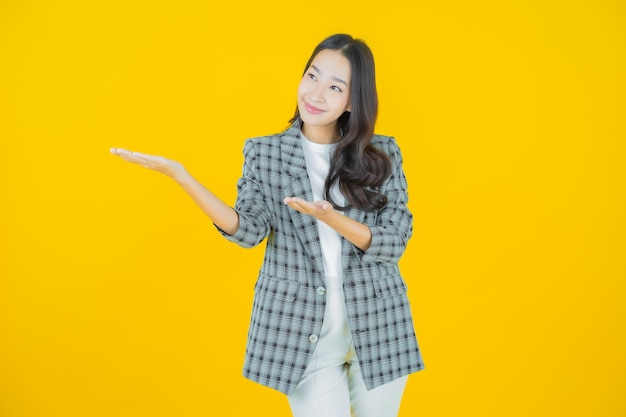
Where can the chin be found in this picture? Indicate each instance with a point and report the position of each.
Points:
(309, 119)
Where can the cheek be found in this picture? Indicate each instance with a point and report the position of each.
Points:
(341, 103)
(302, 88)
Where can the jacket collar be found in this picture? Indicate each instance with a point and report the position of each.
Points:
(292, 152)
(294, 164)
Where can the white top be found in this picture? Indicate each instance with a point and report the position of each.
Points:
(317, 156)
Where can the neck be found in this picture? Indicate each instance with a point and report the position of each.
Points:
(321, 134)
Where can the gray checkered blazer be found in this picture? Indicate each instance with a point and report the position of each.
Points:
(288, 309)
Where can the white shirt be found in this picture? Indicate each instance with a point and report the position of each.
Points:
(317, 156)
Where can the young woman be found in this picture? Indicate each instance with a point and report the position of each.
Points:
(331, 324)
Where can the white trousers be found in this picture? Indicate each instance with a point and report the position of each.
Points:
(332, 385)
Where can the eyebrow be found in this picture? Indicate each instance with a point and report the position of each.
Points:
(339, 80)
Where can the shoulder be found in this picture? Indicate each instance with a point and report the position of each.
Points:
(273, 150)
(262, 142)
(272, 140)
(388, 145)
(383, 141)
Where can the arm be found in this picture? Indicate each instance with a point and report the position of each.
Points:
(394, 222)
(224, 216)
(384, 241)
(251, 205)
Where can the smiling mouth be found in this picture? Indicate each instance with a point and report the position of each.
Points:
(312, 109)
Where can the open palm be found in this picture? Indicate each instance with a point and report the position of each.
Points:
(158, 163)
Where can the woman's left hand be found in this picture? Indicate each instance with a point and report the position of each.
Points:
(357, 233)
(317, 209)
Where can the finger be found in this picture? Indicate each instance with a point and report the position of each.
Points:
(294, 203)
(295, 200)
(141, 158)
(128, 157)
(126, 152)
(120, 151)
(142, 155)
(295, 206)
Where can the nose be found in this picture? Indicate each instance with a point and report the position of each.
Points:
(317, 94)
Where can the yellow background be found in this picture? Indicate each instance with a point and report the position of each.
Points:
(117, 296)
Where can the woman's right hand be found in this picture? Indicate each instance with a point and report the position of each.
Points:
(172, 169)
(224, 216)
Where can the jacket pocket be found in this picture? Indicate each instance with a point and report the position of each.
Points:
(280, 289)
(389, 286)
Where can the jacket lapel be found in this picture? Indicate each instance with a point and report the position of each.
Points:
(294, 165)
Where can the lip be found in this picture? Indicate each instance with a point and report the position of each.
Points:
(312, 109)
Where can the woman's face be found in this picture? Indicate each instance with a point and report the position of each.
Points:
(324, 92)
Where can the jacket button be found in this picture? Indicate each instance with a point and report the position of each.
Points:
(321, 290)
(313, 338)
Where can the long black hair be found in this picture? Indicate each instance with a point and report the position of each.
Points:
(359, 167)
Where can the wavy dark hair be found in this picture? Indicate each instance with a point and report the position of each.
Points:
(359, 167)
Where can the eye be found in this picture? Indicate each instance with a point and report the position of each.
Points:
(337, 89)
(312, 76)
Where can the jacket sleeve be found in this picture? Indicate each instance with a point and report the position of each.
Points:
(394, 222)
(254, 216)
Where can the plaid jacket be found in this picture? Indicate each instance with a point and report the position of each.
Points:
(289, 299)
